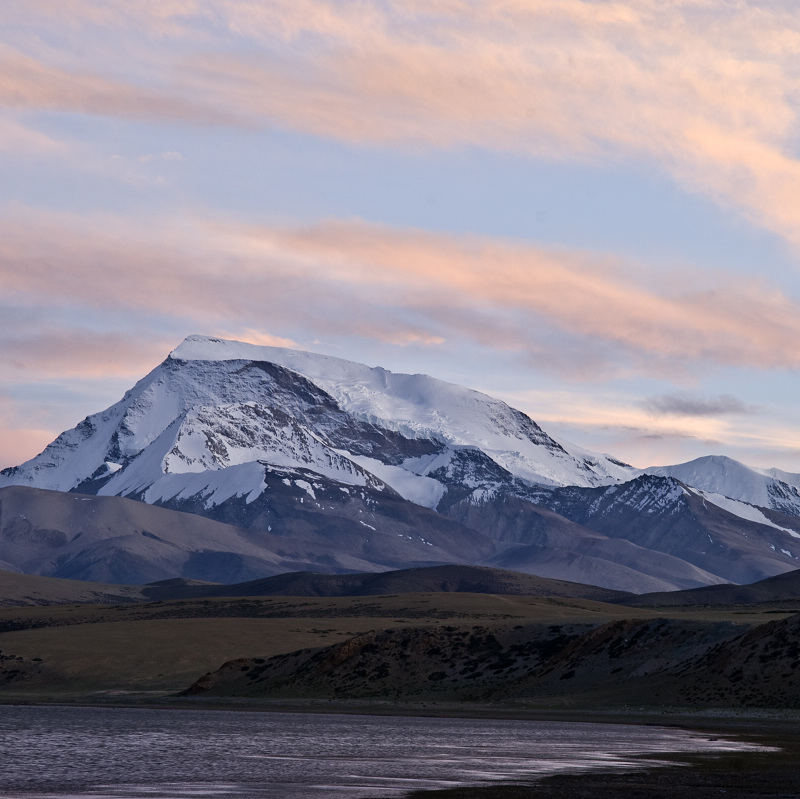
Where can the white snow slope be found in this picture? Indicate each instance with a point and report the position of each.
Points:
(419, 406)
(720, 475)
(207, 409)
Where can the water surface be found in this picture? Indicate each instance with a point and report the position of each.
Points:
(127, 753)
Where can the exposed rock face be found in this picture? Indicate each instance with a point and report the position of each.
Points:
(662, 514)
(449, 662)
(655, 662)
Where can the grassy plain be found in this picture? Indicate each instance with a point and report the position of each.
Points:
(161, 648)
(75, 652)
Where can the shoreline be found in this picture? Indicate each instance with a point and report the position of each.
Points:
(733, 721)
(714, 717)
(732, 775)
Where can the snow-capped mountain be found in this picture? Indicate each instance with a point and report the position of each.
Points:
(322, 463)
(720, 477)
(726, 537)
(215, 404)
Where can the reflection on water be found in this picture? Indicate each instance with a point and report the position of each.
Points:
(125, 753)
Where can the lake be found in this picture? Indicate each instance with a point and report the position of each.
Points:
(131, 753)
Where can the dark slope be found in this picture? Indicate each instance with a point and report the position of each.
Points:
(781, 588)
(306, 522)
(447, 662)
(651, 662)
(26, 589)
(664, 515)
(541, 541)
(434, 579)
(117, 540)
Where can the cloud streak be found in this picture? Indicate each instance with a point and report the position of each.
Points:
(59, 352)
(687, 405)
(22, 141)
(706, 90)
(571, 311)
(28, 84)
(620, 424)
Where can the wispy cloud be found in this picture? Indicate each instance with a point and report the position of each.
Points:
(571, 311)
(19, 444)
(688, 405)
(170, 155)
(30, 84)
(706, 90)
(59, 351)
(23, 141)
(260, 337)
(609, 421)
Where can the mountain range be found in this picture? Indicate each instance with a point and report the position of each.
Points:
(232, 462)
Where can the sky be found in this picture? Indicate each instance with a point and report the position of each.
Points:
(588, 208)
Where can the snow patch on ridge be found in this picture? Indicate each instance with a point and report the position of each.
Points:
(790, 478)
(416, 488)
(241, 480)
(741, 509)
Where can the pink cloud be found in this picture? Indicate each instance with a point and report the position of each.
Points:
(29, 84)
(18, 444)
(398, 286)
(705, 90)
(62, 352)
(73, 372)
(19, 440)
(262, 338)
(22, 141)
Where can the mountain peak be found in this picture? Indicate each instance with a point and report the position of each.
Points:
(718, 460)
(721, 466)
(725, 476)
(210, 348)
(209, 386)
